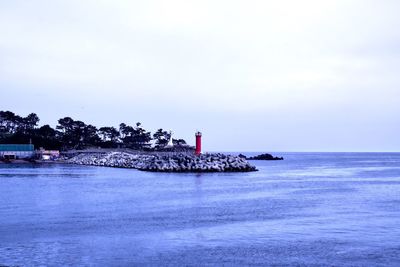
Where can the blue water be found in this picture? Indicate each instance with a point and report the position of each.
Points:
(313, 209)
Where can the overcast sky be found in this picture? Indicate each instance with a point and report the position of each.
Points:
(306, 75)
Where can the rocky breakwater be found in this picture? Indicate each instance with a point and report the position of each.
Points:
(179, 162)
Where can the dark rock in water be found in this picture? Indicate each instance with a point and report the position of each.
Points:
(242, 156)
(265, 156)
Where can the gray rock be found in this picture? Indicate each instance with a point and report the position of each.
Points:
(165, 162)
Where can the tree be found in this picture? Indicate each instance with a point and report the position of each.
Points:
(31, 121)
(71, 134)
(90, 136)
(125, 130)
(161, 137)
(142, 137)
(109, 136)
(16, 129)
(46, 132)
(5, 120)
(26, 126)
(46, 137)
(9, 121)
(178, 142)
(135, 137)
(76, 134)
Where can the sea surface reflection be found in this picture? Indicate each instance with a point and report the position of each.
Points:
(340, 209)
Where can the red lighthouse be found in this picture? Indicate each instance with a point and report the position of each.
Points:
(198, 143)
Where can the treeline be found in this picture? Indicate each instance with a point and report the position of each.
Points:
(75, 134)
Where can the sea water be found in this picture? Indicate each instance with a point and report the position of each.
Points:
(312, 209)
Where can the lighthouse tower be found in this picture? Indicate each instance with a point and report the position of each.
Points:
(198, 143)
(170, 142)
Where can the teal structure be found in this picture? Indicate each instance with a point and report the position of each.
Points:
(17, 151)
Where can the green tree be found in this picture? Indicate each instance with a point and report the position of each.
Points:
(178, 142)
(46, 137)
(109, 136)
(161, 138)
(135, 137)
(76, 134)
(90, 136)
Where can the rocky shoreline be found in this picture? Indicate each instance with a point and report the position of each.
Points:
(168, 162)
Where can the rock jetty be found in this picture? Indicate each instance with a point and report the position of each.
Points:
(156, 162)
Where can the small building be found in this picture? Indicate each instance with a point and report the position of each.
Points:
(16, 151)
(48, 154)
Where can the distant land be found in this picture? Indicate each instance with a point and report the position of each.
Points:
(126, 147)
(75, 134)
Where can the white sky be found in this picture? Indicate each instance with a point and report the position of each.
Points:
(285, 75)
